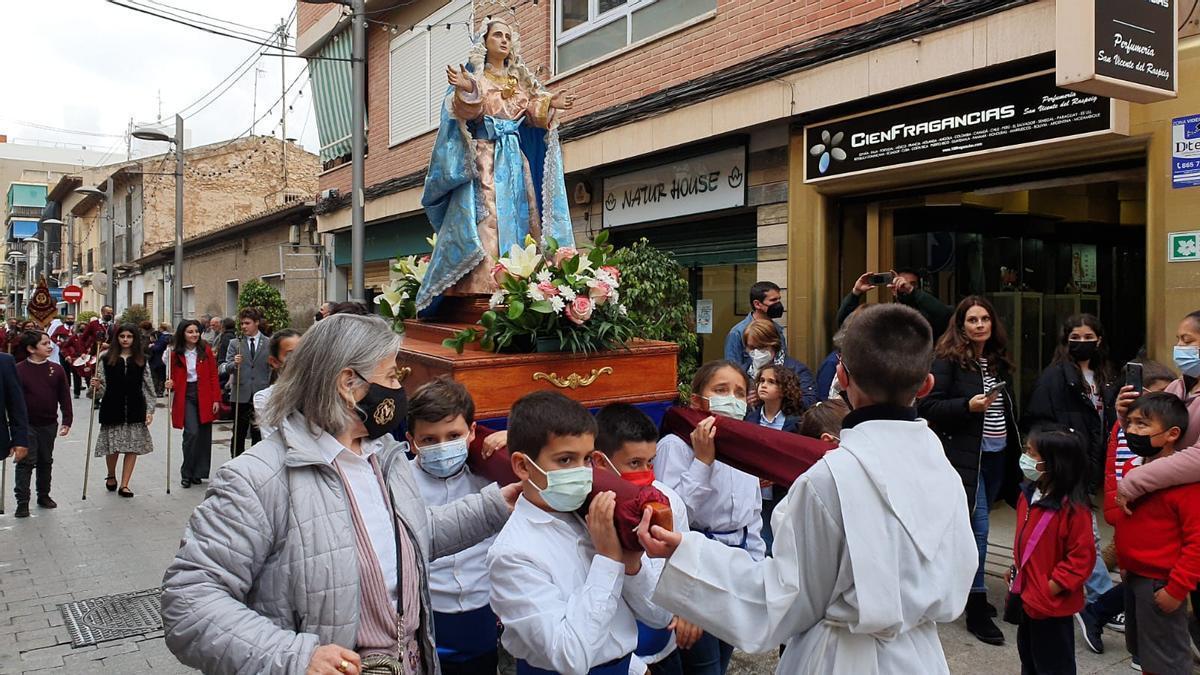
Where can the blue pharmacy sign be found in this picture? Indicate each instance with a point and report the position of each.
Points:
(1185, 151)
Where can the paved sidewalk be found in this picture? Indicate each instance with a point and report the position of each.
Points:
(85, 549)
(107, 545)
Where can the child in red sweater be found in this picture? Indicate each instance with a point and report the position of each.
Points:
(1054, 550)
(1158, 545)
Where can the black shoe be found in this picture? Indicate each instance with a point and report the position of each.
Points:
(991, 610)
(46, 502)
(1092, 631)
(22, 510)
(185, 483)
(979, 623)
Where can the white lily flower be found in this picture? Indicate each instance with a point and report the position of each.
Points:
(392, 296)
(521, 262)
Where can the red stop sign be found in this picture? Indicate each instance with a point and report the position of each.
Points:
(72, 293)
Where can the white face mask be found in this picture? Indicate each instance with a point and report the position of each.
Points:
(760, 357)
(566, 489)
(442, 460)
(727, 405)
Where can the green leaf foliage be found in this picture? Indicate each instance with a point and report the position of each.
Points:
(134, 314)
(258, 294)
(655, 290)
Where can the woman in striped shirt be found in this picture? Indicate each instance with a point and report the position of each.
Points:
(971, 410)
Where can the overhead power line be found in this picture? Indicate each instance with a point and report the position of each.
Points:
(205, 16)
(267, 42)
(61, 130)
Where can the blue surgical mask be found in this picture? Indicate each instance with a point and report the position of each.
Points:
(1029, 468)
(566, 489)
(442, 460)
(727, 405)
(1187, 357)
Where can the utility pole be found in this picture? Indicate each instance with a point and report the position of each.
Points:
(283, 95)
(70, 266)
(258, 72)
(129, 141)
(177, 277)
(358, 92)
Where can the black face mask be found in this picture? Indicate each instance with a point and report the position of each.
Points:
(108, 317)
(775, 311)
(70, 323)
(1082, 350)
(317, 316)
(1140, 445)
(382, 409)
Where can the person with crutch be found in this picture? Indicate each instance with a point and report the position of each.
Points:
(247, 362)
(46, 389)
(14, 423)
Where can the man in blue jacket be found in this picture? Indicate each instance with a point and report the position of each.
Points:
(14, 423)
(766, 302)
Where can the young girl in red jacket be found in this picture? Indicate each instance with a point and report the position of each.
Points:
(1054, 550)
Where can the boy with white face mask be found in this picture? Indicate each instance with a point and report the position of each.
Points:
(568, 595)
(441, 426)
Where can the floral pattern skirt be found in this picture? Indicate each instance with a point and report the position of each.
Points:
(124, 438)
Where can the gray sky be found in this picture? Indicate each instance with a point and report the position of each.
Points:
(89, 65)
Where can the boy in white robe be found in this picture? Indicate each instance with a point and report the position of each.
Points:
(857, 584)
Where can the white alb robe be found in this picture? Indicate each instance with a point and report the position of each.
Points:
(857, 584)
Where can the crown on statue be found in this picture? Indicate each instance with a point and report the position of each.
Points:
(496, 9)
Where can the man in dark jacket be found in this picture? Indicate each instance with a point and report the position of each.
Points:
(14, 422)
(907, 287)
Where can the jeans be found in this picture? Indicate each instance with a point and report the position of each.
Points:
(987, 490)
(768, 507)
(709, 656)
(1100, 582)
(672, 665)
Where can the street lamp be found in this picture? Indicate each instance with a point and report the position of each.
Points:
(106, 195)
(150, 134)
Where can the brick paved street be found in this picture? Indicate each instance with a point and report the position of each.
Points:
(112, 545)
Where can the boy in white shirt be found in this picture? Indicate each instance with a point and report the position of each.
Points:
(627, 439)
(872, 549)
(566, 592)
(441, 425)
(283, 342)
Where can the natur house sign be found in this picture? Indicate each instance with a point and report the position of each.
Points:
(1123, 49)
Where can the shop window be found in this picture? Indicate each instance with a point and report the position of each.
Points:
(591, 29)
(417, 78)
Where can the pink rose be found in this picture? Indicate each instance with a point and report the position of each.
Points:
(580, 310)
(498, 273)
(564, 254)
(548, 289)
(599, 291)
(612, 272)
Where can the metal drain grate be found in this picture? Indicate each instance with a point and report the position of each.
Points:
(112, 617)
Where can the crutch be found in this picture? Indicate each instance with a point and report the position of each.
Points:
(3, 482)
(237, 386)
(87, 450)
(170, 411)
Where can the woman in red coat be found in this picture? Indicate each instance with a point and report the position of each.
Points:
(191, 362)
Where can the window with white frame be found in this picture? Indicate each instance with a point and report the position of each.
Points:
(587, 30)
(417, 69)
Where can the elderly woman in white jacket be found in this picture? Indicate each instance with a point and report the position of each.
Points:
(308, 554)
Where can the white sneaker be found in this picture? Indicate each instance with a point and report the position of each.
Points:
(1117, 624)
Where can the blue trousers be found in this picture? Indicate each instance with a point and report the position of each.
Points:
(1099, 582)
(987, 490)
(709, 656)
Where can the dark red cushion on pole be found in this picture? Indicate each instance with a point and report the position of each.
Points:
(770, 454)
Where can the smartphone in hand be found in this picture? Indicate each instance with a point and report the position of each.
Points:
(1000, 386)
(881, 278)
(1133, 376)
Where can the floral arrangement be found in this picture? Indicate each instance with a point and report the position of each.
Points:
(398, 300)
(559, 299)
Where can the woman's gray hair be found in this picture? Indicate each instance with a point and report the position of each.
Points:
(308, 384)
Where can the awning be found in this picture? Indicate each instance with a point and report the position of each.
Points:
(331, 84)
(20, 228)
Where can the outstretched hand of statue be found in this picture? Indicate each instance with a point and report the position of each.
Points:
(562, 100)
(458, 78)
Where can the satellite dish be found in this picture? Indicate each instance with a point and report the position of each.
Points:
(100, 283)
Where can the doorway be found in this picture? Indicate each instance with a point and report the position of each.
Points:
(1041, 251)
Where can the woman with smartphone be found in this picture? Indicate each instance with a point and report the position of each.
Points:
(971, 411)
(1078, 390)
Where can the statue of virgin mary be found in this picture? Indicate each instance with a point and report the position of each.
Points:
(495, 175)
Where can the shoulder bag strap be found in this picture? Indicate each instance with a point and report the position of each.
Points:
(1027, 551)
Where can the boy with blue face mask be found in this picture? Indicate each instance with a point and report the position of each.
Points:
(568, 595)
(441, 425)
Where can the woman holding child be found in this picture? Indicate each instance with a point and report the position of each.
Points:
(310, 551)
